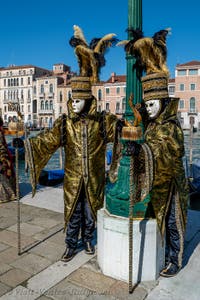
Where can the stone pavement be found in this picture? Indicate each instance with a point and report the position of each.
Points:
(39, 274)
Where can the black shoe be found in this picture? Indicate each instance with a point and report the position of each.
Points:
(170, 271)
(68, 254)
(89, 249)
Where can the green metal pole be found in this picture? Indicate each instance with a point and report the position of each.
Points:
(133, 84)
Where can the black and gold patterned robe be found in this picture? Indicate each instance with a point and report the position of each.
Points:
(84, 150)
(165, 138)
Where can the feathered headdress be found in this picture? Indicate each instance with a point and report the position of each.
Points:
(150, 52)
(91, 56)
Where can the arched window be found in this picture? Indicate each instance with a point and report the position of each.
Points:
(46, 105)
(42, 105)
(99, 94)
(51, 105)
(192, 105)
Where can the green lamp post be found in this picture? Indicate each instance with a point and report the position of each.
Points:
(118, 194)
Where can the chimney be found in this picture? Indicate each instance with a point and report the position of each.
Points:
(113, 74)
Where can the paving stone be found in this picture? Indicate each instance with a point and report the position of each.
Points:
(4, 289)
(49, 250)
(45, 222)
(9, 255)
(20, 293)
(11, 238)
(3, 247)
(31, 263)
(7, 221)
(4, 268)
(44, 298)
(66, 290)
(14, 277)
(120, 290)
(54, 234)
(92, 280)
(26, 229)
(93, 265)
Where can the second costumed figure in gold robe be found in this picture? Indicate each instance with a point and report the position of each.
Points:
(84, 133)
(164, 137)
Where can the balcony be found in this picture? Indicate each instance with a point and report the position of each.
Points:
(193, 112)
(45, 111)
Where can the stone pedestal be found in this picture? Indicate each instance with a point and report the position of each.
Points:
(113, 247)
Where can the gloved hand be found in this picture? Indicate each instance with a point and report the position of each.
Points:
(132, 148)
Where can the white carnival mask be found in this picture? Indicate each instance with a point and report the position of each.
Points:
(78, 105)
(153, 108)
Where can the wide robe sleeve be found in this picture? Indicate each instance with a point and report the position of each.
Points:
(39, 149)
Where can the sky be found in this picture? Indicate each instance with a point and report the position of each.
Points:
(38, 32)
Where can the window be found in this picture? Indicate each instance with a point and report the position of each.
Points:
(124, 90)
(171, 89)
(42, 88)
(22, 94)
(107, 91)
(29, 108)
(118, 90)
(34, 106)
(46, 105)
(22, 81)
(182, 87)
(29, 80)
(61, 97)
(123, 104)
(29, 94)
(34, 89)
(181, 72)
(99, 95)
(107, 107)
(69, 95)
(51, 105)
(99, 108)
(60, 109)
(4, 82)
(192, 87)
(192, 105)
(117, 107)
(5, 108)
(181, 104)
(193, 72)
(51, 88)
(42, 105)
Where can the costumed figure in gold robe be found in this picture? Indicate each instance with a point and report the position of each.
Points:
(7, 173)
(164, 136)
(83, 133)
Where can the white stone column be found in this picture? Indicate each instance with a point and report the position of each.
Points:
(113, 247)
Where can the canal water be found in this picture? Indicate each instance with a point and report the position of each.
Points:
(192, 154)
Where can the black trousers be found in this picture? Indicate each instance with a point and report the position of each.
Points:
(81, 219)
(174, 235)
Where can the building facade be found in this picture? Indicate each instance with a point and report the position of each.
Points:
(187, 88)
(42, 94)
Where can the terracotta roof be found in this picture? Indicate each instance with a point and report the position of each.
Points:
(117, 78)
(189, 64)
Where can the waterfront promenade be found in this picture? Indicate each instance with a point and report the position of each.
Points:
(39, 273)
